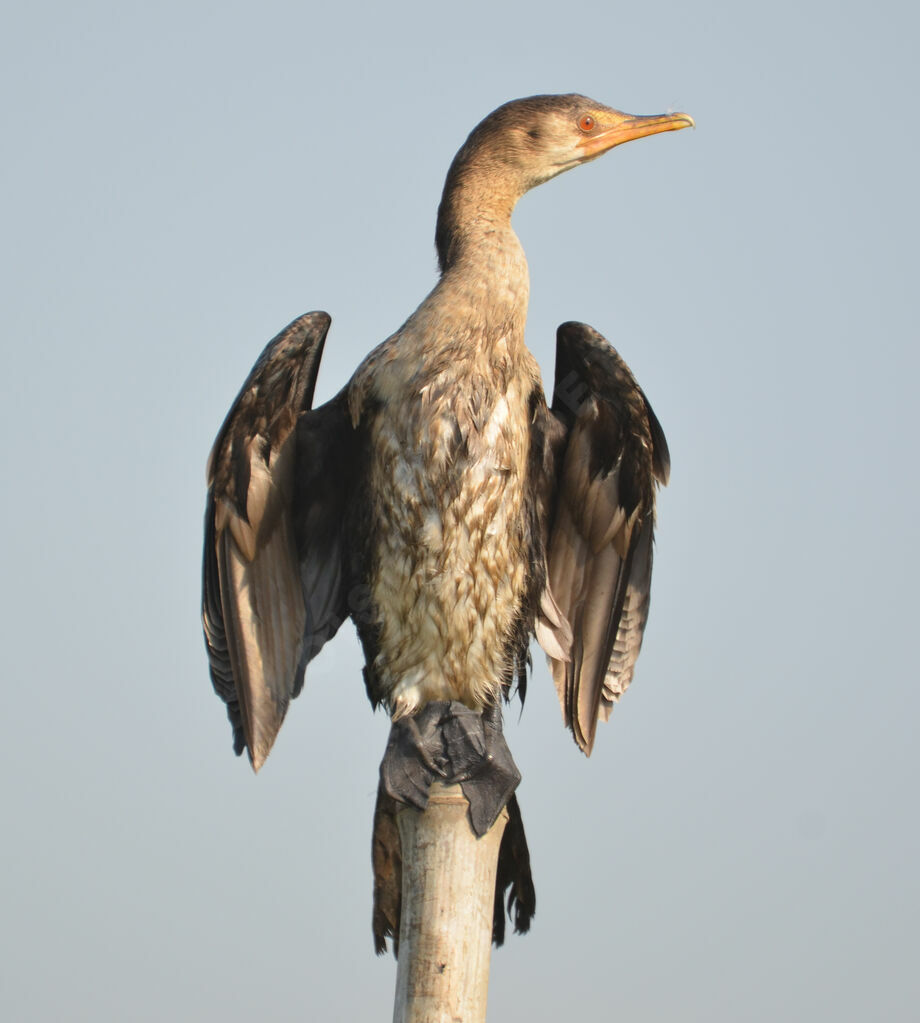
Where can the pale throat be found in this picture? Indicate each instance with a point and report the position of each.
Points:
(488, 281)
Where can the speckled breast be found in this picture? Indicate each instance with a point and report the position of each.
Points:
(448, 479)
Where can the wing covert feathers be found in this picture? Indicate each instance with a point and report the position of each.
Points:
(599, 553)
(253, 609)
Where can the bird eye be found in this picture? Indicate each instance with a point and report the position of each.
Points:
(586, 122)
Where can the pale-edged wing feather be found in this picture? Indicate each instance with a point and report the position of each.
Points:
(254, 612)
(599, 551)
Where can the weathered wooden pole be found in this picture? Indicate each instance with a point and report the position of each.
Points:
(448, 893)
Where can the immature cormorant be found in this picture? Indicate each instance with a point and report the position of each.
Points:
(437, 500)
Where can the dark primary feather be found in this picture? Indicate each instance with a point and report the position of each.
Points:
(253, 608)
(599, 554)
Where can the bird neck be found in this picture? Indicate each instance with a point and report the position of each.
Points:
(483, 267)
(476, 204)
(487, 285)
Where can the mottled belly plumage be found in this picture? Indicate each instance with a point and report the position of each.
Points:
(450, 561)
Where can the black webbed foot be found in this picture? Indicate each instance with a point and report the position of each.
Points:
(449, 743)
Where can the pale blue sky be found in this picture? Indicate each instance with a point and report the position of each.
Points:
(178, 183)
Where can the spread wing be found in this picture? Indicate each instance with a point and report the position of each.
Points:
(270, 598)
(599, 553)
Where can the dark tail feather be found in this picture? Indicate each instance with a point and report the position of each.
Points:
(514, 873)
(386, 856)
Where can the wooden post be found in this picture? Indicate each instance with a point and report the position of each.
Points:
(448, 895)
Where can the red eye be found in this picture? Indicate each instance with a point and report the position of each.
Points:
(586, 122)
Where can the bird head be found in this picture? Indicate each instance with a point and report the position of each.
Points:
(531, 140)
(526, 142)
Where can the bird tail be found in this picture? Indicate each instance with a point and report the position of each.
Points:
(513, 880)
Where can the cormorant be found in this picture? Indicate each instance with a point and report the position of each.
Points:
(437, 500)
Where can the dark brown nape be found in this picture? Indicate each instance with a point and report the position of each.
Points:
(494, 142)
